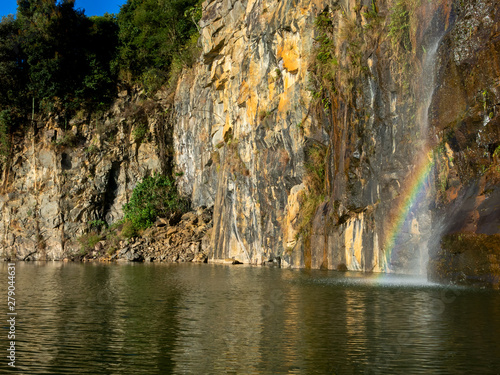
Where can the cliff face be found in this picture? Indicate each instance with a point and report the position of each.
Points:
(238, 136)
(339, 135)
(60, 181)
(465, 118)
(248, 119)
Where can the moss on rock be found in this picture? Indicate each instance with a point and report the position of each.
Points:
(468, 259)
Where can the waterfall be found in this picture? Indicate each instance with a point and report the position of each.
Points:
(428, 77)
(409, 226)
(422, 211)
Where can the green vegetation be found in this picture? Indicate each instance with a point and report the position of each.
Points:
(154, 35)
(88, 242)
(337, 66)
(496, 153)
(5, 125)
(400, 29)
(345, 40)
(152, 198)
(68, 140)
(129, 230)
(63, 58)
(263, 114)
(468, 258)
(97, 224)
(442, 170)
(56, 60)
(345, 44)
(316, 190)
(140, 131)
(399, 26)
(112, 241)
(316, 168)
(99, 230)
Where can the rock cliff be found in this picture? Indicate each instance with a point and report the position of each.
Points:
(251, 117)
(63, 177)
(242, 120)
(347, 135)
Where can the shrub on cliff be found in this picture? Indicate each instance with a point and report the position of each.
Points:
(154, 197)
(88, 242)
(315, 179)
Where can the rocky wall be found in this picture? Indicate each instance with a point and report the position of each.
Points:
(362, 166)
(242, 121)
(63, 176)
(247, 115)
(466, 128)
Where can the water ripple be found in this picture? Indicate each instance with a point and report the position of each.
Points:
(204, 319)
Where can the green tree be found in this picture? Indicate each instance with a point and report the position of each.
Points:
(68, 55)
(5, 136)
(12, 72)
(100, 80)
(152, 33)
(52, 55)
(38, 23)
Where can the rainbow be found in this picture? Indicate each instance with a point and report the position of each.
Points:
(414, 190)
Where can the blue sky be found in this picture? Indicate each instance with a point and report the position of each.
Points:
(92, 7)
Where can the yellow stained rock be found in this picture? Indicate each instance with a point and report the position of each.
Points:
(290, 55)
(243, 95)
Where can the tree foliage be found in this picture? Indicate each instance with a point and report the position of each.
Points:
(5, 125)
(55, 54)
(67, 55)
(152, 33)
(12, 77)
(56, 60)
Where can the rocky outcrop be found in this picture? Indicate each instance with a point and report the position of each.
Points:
(238, 137)
(184, 240)
(465, 119)
(247, 118)
(468, 258)
(64, 177)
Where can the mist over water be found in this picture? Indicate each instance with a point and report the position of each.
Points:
(214, 319)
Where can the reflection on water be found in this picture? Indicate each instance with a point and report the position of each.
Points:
(213, 319)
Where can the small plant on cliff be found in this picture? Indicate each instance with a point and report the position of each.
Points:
(91, 150)
(154, 197)
(496, 153)
(400, 29)
(338, 63)
(97, 224)
(399, 26)
(315, 181)
(128, 229)
(316, 165)
(140, 132)
(263, 114)
(88, 242)
(68, 140)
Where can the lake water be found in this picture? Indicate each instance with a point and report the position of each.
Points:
(215, 319)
